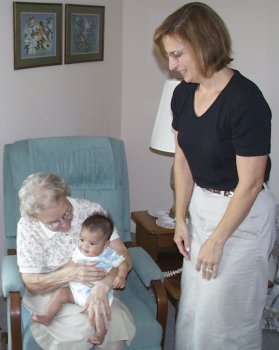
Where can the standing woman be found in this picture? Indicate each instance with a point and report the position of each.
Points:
(222, 125)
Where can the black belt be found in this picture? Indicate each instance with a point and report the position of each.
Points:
(227, 193)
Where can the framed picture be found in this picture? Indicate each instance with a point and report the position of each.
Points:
(37, 34)
(84, 33)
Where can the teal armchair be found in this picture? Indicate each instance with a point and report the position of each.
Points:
(96, 169)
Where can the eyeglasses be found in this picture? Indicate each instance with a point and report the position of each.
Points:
(66, 216)
(175, 54)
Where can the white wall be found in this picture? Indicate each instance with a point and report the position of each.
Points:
(254, 29)
(74, 99)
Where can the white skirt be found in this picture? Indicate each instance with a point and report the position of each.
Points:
(70, 329)
(225, 313)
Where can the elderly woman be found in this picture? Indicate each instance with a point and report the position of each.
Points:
(47, 235)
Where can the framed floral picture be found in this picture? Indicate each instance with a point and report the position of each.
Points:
(84, 33)
(37, 34)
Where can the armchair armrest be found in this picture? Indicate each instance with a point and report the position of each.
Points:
(151, 276)
(13, 288)
(145, 266)
(11, 277)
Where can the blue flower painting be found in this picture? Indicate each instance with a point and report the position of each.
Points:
(85, 33)
(38, 31)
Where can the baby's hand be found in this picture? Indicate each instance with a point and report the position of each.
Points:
(84, 308)
(119, 282)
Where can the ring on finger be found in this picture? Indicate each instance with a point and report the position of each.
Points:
(209, 270)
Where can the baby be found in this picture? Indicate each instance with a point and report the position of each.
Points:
(92, 246)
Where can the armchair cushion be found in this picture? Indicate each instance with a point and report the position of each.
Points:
(94, 167)
(150, 328)
(88, 163)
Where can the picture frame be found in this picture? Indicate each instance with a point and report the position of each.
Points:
(84, 33)
(37, 34)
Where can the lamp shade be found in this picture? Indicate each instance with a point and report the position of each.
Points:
(162, 138)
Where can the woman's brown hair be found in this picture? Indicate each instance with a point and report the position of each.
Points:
(204, 30)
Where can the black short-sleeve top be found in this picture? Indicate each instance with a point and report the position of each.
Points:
(237, 123)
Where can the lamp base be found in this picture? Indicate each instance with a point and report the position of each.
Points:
(172, 185)
(172, 212)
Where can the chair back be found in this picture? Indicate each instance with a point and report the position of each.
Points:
(95, 168)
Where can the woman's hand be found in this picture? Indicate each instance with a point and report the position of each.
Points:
(87, 272)
(182, 239)
(209, 258)
(98, 306)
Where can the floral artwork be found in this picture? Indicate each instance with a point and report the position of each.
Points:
(84, 33)
(39, 35)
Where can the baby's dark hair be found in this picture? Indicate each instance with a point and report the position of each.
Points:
(99, 222)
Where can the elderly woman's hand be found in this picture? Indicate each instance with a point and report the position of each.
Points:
(98, 306)
(87, 272)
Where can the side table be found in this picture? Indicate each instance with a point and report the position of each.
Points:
(158, 242)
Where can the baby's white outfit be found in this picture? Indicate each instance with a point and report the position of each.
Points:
(108, 259)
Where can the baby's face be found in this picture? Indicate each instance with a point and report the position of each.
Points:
(91, 243)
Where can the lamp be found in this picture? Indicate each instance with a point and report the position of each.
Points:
(162, 138)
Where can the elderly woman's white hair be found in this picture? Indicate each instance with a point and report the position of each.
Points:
(39, 192)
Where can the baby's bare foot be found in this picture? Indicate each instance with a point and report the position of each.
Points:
(97, 339)
(41, 319)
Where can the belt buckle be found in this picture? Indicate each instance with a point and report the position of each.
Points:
(228, 194)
